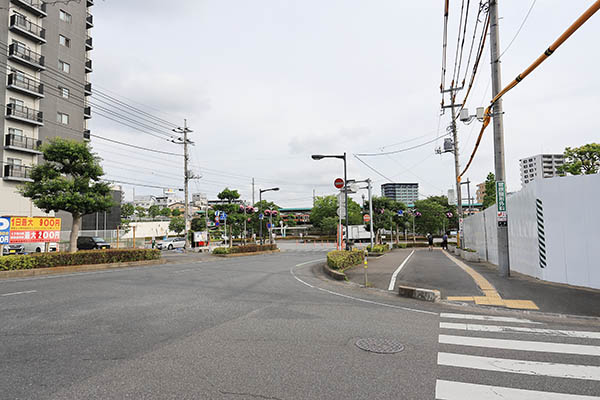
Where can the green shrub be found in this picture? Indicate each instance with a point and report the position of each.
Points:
(48, 260)
(221, 250)
(253, 248)
(470, 250)
(400, 245)
(342, 259)
(378, 248)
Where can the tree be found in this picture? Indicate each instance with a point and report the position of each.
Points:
(326, 207)
(175, 212)
(198, 224)
(229, 195)
(452, 222)
(489, 198)
(165, 212)
(127, 210)
(140, 211)
(581, 160)
(154, 211)
(177, 224)
(69, 180)
(385, 214)
(432, 216)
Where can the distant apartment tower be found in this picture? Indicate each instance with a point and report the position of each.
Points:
(407, 193)
(46, 63)
(480, 193)
(539, 166)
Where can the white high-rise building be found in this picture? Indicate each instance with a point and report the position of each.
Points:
(539, 166)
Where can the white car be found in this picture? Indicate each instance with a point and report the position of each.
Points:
(38, 247)
(171, 243)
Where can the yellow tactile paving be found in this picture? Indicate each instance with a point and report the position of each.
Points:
(491, 296)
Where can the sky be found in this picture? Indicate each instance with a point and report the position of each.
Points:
(264, 84)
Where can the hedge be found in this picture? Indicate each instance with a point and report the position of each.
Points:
(48, 260)
(342, 259)
(249, 248)
(378, 248)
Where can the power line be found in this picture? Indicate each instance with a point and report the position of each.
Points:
(372, 169)
(401, 150)
(518, 30)
(136, 147)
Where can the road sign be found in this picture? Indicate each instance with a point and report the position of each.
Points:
(223, 216)
(4, 230)
(501, 195)
(261, 216)
(268, 225)
(366, 218)
(216, 223)
(400, 212)
(32, 230)
(338, 183)
(341, 197)
(341, 212)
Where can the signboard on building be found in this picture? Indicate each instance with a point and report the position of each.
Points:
(32, 230)
(4, 230)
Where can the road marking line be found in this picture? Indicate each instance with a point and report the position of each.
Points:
(520, 329)
(395, 274)
(351, 297)
(546, 347)
(448, 390)
(524, 367)
(487, 318)
(15, 293)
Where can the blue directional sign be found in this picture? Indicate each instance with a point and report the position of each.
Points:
(4, 230)
(268, 226)
(261, 216)
(223, 216)
(400, 212)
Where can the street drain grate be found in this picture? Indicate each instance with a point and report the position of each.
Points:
(380, 346)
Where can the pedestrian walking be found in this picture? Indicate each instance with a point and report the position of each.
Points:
(430, 241)
(445, 241)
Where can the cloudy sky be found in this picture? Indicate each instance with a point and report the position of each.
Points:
(266, 83)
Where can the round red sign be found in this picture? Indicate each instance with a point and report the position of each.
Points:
(338, 183)
(366, 218)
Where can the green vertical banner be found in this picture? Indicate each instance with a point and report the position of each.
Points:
(501, 195)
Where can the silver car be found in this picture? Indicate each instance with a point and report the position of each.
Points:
(171, 243)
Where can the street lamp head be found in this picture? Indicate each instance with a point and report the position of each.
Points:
(317, 157)
(275, 189)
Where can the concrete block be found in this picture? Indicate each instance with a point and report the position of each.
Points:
(419, 293)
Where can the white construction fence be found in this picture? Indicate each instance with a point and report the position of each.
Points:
(554, 226)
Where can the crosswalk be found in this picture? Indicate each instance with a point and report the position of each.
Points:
(488, 357)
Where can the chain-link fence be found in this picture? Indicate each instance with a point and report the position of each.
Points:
(115, 238)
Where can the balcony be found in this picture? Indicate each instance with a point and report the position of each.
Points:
(19, 173)
(22, 143)
(88, 65)
(21, 25)
(36, 7)
(89, 43)
(89, 21)
(87, 135)
(21, 113)
(87, 112)
(19, 83)
(24, 56)
(87, 89)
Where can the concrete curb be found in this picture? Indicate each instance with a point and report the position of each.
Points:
(24, 273)
(337, 275)
(256, 253)
(419, 294)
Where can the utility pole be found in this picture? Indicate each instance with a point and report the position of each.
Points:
(186, 177)
(502, 220)
(252, 192)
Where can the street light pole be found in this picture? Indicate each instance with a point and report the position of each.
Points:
(370, 211)
(260, 192)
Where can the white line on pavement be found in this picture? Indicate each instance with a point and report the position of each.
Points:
(15, 293)
(487, 318)
(519, 329)
(351, 297)
(588, 372)
(448, 390)
(397, 271)
(521, 345)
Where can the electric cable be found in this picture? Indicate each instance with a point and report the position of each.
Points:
(518, 30)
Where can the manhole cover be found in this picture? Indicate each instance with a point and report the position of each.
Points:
(381, 346)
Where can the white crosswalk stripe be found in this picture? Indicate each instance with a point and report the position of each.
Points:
(493, 355)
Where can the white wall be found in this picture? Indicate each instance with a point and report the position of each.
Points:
(569, 224)
(156, 229)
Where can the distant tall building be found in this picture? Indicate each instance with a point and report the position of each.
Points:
(407, 193)
(480, 194)
(539, 167)
(46, 63)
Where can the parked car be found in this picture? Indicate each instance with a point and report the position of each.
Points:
(15, 248)
(38, 247)
(91, 243)
(171, 243)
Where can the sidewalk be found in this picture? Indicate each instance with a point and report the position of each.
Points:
(475, 283)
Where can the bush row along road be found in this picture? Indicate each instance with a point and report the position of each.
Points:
(269, 327)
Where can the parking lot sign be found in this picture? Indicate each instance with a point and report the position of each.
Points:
(4, 230)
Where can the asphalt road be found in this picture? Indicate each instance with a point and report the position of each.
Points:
(261, 327)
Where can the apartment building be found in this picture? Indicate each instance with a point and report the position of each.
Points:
(539, 166)
(407, 193)
(46, 62)
(480, 193)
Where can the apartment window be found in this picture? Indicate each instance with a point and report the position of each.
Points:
(15, 131)
(62, 118)
(64, 16)
(18, 102)
(64, 67)
(64, 92)
(64, 41)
